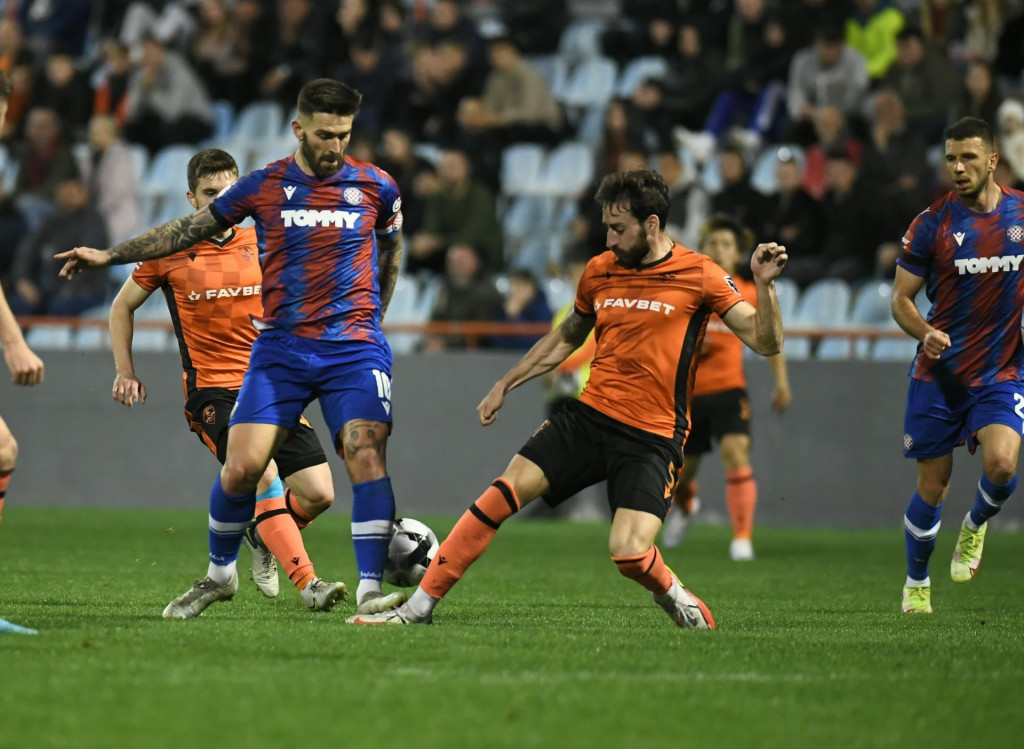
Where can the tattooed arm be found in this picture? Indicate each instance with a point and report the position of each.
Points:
(389, 258)
(546, 354)
(162, 241)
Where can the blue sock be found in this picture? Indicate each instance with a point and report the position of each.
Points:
(990, 499)
(229, 516)
(922, 523)
(373, 512)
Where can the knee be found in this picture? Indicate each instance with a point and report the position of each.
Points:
(8, 453)
(628, 546)
(1000, 468)
(238, 477)
(317, 500)
(933, 490)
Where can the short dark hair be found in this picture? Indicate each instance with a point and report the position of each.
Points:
(5, 86)
(329, 96)
(643, 192)
(970, 127)
(207, 162)
(724, 222)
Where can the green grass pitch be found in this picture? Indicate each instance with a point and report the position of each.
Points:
(543, 644)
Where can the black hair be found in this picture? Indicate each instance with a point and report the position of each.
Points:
(329, 96)
(207, 162)
(643, 192)
(724, 222)
(970, 127)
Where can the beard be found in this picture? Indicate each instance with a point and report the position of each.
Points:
(323, 166)
(633, 257)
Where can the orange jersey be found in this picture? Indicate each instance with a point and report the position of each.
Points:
(212, 292)
(649, 326)
(720, 359)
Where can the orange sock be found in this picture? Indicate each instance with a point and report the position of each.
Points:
(470, 537)
(648, 569)
(685, 494)
(300, 516)
(5, 479)
(279, 533)
(741, 499)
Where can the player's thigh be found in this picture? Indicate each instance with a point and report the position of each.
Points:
(1000, 449)
(301, 450)
(208, 412)
(935, 419)
(8, 447)
(526, 479)
(356, 391)
(996, 421)
(735, 450)
(250, 448)
(568, 449)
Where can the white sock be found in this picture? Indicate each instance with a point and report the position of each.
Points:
(221, 574)
(926, 583)
(366, 585)
(421, 603)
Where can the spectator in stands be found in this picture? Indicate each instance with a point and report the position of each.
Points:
(60, 86)
(1009, 59)
(391, 24)
(871, 29)
(353, 20)
(415, 175)
(446, 23)
(467, 294)
(693, 79)
(256, 35)
(43, 161)
(50, 25)
(376, 76)
(979, 97)
(923, 79)
(218, 54)
(299, 52)
(689, 205)
(110, 174)
(463, 212)
(171, 20)
(37, 288)
(895, 164)
(110, 81)
(650, 29)
(794, 217)
(853, 229)
(166, 101)
(17, 61)
(516, 103)
(650, 122)
(524, 302)
(615, 138)
(943, 24)
(1010, 121)
(828, 74)
(831, 134)
(737, 198)
(535, 26)
(455, 79)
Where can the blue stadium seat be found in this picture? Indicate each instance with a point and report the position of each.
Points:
(140, 156)
(590, 128)
(580, 39)
(873, 306)
(567, 170)
(789, 294)
(764, 176)
(259, 120)
(559, 292)
(520, 168)
(637, 71)
(430, 152)
(553, 68)
(527, 215)
(824, 304)
(407, 306)
(591, 83)
(223, 114)
(166, 173)
(50, 337)
(894, 349)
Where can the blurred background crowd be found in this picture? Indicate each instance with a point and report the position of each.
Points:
(817, 123)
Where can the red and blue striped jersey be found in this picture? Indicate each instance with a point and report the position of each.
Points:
(317, 242)
(972, 266)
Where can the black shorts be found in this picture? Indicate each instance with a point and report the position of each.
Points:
(580, 446)
(208, 410)
(711, 416)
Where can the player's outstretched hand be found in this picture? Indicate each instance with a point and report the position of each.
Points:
(488, 408)
(26, 368)
(768, 261)
(127, 390)
(935, 343)
(80, 259)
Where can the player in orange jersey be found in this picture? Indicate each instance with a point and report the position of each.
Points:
(213, 292)
(648, 301)
(26, 369)
(720, 409)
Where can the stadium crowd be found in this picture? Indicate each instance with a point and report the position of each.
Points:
(814, 122)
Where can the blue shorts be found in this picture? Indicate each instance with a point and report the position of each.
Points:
(351, 379)
(940, 418)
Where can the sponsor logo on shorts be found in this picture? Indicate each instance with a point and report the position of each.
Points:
(998, 264)
(541, 428)
(645, 304)
(305, 217)
(209, 414)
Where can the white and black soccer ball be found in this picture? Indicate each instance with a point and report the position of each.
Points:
(412, 547)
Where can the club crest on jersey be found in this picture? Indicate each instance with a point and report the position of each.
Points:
(289, 191)
(246, 252)
(1015, 233)
(732, 284)
(352, 196)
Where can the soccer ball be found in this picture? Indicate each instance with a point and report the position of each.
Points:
(412, 547)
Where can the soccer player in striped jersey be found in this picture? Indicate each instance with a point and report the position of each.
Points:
(720, 408)
(966, 250)
(328, 229)
(648, 301)
(213, 293)
(26, 369)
